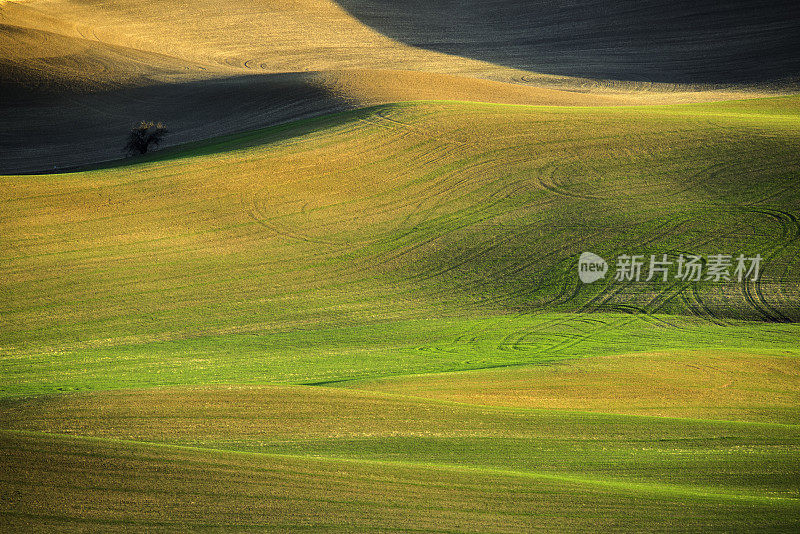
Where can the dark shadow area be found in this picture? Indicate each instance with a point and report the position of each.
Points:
(231, 142)
(44, 131)
(695, 42)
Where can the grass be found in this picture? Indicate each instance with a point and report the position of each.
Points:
(721, 384)
(372, 321)
(700, 455)
(391, 214)
(381, 349)
(223, 490)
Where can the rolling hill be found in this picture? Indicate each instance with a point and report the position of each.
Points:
(344, 297)
(76, 75)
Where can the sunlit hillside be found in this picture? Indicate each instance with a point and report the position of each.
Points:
(344, 295)
(76, 74)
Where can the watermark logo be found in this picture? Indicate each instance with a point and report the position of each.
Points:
(591, 268)
(686, 267)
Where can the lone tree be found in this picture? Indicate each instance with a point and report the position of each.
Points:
(144, 135)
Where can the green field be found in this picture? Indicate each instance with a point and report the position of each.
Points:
(372, 321)
(344, 295)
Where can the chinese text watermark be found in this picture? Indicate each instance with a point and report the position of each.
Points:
(686, 267)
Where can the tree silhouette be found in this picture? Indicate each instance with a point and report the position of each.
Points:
(144, 135)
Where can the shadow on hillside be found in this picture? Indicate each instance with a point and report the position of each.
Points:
(684, 41)
(49, 131)
(231, 142)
